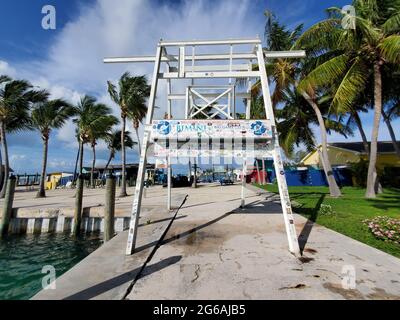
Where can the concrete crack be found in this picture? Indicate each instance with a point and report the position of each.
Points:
(196, 273)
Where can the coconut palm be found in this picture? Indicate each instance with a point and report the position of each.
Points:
(297, 118)
(89, 116)
(16, 98)
(100, 132)
(130, 96)
(46, 116)
(281, 72)
(113, 140)
(360, 55)
(3, 78)
(286, 73)
(391, 98)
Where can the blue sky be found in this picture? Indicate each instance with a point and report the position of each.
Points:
(68, 61)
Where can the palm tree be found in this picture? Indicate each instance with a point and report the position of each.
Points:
(46, 116)
(391, 96)
(297, 118)
(287, 73)
(16, 98)
(113, 140)
(100, 131)
(388, 117)
(89, 116)
(359, 55)
(131, 97)
(3, 78)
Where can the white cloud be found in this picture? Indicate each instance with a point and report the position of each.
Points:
(131, 27)
(6, 69)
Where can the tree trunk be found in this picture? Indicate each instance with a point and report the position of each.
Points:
(391, 132)
(1, 166)
(76, 162)
(109, 161)
(378, 186)
(372, 175)
(333, 187)
(6, 160)
(136, 127)
(123, 156)
(80, 157)
(42, 190)
(93, 166)
(362, 132)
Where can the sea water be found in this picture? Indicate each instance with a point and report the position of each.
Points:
(22, 259)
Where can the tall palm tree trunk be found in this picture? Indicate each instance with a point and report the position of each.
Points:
(109, 161)
(136, 127)
(93, 165)
(391, 132)
(123, 156)
(333, 187)
(76, 162)
(1, 166)
(42, 191)
(6, 160)
(362, 132)
(378, 186)
(372, 175)
(80, 157)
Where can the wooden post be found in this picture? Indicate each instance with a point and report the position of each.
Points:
(109, 209)
(8, 204)
(78, 205)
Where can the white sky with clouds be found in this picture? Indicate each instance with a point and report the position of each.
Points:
(118, 28)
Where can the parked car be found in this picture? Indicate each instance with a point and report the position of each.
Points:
(179, 182)
(226, 181)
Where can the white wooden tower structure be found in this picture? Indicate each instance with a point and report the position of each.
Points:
(211, 109)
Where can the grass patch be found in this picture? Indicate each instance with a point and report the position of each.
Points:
(348, 212)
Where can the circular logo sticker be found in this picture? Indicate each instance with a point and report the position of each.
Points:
(258, 128)
(164, 128)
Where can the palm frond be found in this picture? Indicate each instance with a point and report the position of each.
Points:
(325, 74)
(390, 49)
(392, 25)
(350, 87)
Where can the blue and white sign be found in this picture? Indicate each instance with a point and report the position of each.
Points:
(214, 129)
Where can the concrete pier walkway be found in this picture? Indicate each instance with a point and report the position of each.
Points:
(213, 250)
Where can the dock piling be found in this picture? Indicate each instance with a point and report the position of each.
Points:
(109, 210)
(78, 205)
(8, 204)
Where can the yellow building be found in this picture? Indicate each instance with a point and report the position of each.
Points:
(53, 179)
(344, 153)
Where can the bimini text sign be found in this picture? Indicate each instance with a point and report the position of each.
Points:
(181, 130)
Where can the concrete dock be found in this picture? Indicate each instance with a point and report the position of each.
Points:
(55, 212)
(213, 250)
